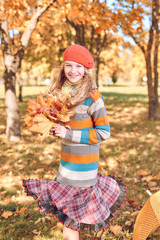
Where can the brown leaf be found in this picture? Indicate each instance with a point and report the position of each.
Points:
(128, 223)
(147, 179)
(132, 202)
(157, 176)
(152, 184)
(134, 213)
(156, 233)
(116, 230)
(144, 172)
(22, 210)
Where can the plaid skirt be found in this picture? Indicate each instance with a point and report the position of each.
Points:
(89, 208)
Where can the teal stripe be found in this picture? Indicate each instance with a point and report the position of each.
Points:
(79, 167)
(88, 102)
(82, 129)
(104, 127)
(84, 137)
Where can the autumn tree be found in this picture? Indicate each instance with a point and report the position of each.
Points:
(93, 26)
(23, 16)
(132, 15)
(88, 23)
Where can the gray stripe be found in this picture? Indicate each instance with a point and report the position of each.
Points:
(80, 116)
(73, 144)
(76, 183)
(69, 135)
(99, 113)
(80, 150)
(102, 135)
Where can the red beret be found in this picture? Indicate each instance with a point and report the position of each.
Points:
(79, 54)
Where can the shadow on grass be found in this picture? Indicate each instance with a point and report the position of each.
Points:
(124, 97)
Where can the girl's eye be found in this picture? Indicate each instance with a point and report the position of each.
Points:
(79, 66)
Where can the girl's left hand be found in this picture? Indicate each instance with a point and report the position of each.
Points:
(60, 131)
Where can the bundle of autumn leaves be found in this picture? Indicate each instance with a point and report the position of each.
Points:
(43, 114)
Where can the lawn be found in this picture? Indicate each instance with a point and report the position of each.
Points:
(132, 154)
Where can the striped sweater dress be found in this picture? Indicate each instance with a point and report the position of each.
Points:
(80, 148)
(79, 197)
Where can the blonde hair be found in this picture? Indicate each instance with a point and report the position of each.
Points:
(82, 91)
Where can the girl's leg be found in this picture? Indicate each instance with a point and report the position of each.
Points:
(69, 234)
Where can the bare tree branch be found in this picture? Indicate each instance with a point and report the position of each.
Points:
(30, 28)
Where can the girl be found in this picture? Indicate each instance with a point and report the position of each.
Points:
(79, 198)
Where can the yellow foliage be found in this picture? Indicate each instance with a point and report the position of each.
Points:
(43, 114)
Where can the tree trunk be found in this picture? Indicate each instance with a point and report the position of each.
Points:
(153, 84)
(98, 51)
(11, 64)
(152, 112)
(97, 70)
(20, 85)
(153, 43)
(13, 119)
(156, 9)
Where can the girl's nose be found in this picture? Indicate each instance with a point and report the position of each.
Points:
(73, 69)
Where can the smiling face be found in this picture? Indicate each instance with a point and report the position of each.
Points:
(73, 71)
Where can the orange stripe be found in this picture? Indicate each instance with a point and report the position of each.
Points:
(101, 121)
(80, 124)
(81, 159)
(95, 94)
(92, 137)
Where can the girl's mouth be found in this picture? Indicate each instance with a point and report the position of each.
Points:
(73, 76)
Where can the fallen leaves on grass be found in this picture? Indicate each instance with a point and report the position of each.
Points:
(157, 233)
(116, 230)
(7, 214)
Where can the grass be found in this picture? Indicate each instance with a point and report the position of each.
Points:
(134, 146)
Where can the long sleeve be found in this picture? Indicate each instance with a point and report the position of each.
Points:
(90, 124)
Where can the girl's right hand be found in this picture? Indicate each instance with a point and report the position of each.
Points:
(60, 131)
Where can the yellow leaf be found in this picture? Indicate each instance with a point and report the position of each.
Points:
(36, 232)
(28, 120)
(22, 210)
(66, 118)
(41, 100)
(59, 226)
(41, 125)
(6, 214)
(40, 170)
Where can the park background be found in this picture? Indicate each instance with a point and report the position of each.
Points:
(123, 37)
